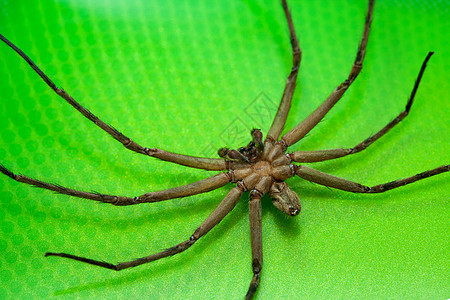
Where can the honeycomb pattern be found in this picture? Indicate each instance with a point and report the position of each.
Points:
(182, 75)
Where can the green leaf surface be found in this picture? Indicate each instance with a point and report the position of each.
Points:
(192, 77)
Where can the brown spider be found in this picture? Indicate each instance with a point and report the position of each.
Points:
(261, 167)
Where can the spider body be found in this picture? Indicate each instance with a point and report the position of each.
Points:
(261, 167)
(269, 166)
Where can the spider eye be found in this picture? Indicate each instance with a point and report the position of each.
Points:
(285, 199)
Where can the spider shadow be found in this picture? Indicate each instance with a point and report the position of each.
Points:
(146, 213)
(313, 192)
(337, 119)
(266, 15)
(120, 279)
(158, 268)
(287, 226)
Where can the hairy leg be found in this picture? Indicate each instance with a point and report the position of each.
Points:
(256, 241)
(185, 160)
(202, 186)
(350, 186)
(285, 104)
(321, 155)
(227, 204)
(261, 188)
(298, 132)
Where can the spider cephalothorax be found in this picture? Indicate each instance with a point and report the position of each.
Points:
(261, 167)
(269, 166)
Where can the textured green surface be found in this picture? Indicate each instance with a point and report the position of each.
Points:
(182, 75)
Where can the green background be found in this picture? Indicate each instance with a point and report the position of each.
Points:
(187, 77)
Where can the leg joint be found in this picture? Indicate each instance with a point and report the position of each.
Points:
(255, 194)
(8, 172)
(193, 238)
(230, 175)
(283, 144)
(241, 185)
(256, 266)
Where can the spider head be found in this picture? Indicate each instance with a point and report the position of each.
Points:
(285, 199)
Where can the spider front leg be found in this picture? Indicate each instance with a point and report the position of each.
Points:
(285, 104)
(321, 155)
(299, 131)
(354, 187)
(185, 160)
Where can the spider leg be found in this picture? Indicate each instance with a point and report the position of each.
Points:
(227, 204)
(256, 240)
(185, 160)
(321, 155)
(350, 186)
(298, 132)
(256, 194)
(202, 186)
(285, 104)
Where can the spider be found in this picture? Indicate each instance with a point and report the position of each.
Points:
(260, 167)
